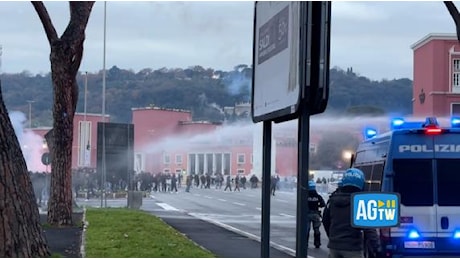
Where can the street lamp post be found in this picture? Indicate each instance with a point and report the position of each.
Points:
(30, 112)
(87, 130)
(103, 195)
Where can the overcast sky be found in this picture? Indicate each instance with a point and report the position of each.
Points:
(372, 37)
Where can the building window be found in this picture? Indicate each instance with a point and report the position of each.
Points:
(456, 82)
(166, 171)
(456, 65)
(241, 158)
(240, 171)
(178, 158)
(456, 76)
(455, 109)
(166, 159)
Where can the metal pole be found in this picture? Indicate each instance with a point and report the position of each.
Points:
(86, 91)
(103, 112)
(303, 135)
(266, 182)
(30, 112)
(85, 163)
(302, 184)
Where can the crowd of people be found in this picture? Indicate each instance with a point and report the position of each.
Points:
(344, 240)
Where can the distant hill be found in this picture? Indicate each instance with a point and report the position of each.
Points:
(203, 91)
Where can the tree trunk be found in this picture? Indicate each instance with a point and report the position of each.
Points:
(65, 57)
(20, 230)
(65, 92)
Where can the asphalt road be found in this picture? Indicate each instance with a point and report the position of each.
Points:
(239, 212)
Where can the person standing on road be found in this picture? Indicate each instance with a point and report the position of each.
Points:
(173, 183)
(219, 181)
(188, 182)
(254, 180)
(228, 183)
(315, 202)
(345, 240)
(273, 183)
(243, 182)
(237, 182)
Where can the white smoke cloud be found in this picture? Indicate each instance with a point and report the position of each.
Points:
(31, 143)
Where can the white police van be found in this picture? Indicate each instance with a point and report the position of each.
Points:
(420, 161)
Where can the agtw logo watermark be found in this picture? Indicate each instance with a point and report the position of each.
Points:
(375, 210)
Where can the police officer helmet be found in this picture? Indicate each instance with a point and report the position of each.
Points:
(353, 177)
(311, 185)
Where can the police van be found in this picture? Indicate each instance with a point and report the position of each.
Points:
(421, 162)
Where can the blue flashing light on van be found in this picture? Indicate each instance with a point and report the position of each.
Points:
(421, 162)
(369, 133)
(455, 122)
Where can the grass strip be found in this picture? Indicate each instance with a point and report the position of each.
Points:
(123, 233)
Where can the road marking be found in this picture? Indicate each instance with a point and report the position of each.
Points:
(258, 208)
(167, 207)
(281, 200)
(222, 200)
(240, 204)
(208, 197)
(287, 215)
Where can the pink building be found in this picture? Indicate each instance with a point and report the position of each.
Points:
(436, 89)
(84, 139)
(164, 142)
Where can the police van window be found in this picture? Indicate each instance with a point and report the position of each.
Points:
(367, 170)
(413, 179)
(376, 179)
(448, 182)
(373, 175)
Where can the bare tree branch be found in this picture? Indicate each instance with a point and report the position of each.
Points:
(46, 20)
(75, 31)
(455, 15)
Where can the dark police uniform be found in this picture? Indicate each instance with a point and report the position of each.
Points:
(315, 202)
(345, 240)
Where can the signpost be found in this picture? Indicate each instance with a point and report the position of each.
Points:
(276, 60)
(290, 80)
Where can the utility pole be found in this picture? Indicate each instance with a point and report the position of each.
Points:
(30, 112)
(104, 177)
(86, 91)
(87, 129)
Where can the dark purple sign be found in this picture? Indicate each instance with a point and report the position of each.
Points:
(273, 36)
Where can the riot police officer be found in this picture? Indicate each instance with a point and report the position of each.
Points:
(345, 240)
(315, 202)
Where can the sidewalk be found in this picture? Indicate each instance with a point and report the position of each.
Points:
(220, 241)
(64, 241)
